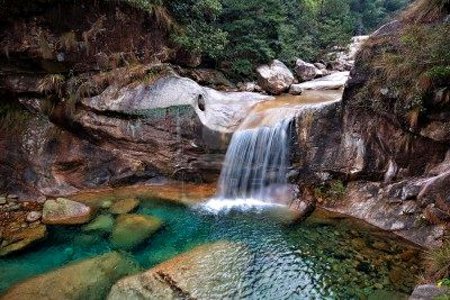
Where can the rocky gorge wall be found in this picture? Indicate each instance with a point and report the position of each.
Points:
(372, 157)
(89, 99)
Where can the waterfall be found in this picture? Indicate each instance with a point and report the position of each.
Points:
(256, 165)
(256, 158)
(257, 162)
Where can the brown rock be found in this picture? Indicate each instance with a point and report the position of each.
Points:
(23, 239)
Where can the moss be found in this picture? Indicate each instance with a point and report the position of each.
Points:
(334, 191)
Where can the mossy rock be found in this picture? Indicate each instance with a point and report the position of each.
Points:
(131, 230)
(88, 279)
(103, 224)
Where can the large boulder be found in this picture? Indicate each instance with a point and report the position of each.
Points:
(88, 279)
(275, 78)
(132, 230)
(217, 111)
(212, 271)
(63, 211)
(306, 71)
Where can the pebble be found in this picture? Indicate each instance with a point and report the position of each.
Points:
(2, 200)
(33, 216)
(13, 196)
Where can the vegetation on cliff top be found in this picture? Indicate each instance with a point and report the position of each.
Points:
(407, 68)
(236, 35)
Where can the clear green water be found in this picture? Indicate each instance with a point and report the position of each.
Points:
(315, 259)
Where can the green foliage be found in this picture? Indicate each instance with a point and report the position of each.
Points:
(241, 34)
(200, 32)
(444, 282)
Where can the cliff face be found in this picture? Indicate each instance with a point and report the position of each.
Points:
(88, 99)
(383, 154)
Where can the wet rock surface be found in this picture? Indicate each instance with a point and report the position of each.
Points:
(334, 81)
(22, 239)
(171, 128)
(20, 225)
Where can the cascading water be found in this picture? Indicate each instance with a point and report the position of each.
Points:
(256, 158)
(255, 165)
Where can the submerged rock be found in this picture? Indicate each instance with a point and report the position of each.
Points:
(66, 212)
(132, 230)
(88, 279)
(124, 206)
(23, 239)
(275, 78)
(103, 223)
(206, 272)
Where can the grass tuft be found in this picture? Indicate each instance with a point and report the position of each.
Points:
(438, 262)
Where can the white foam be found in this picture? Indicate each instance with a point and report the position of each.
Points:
(219, 205)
